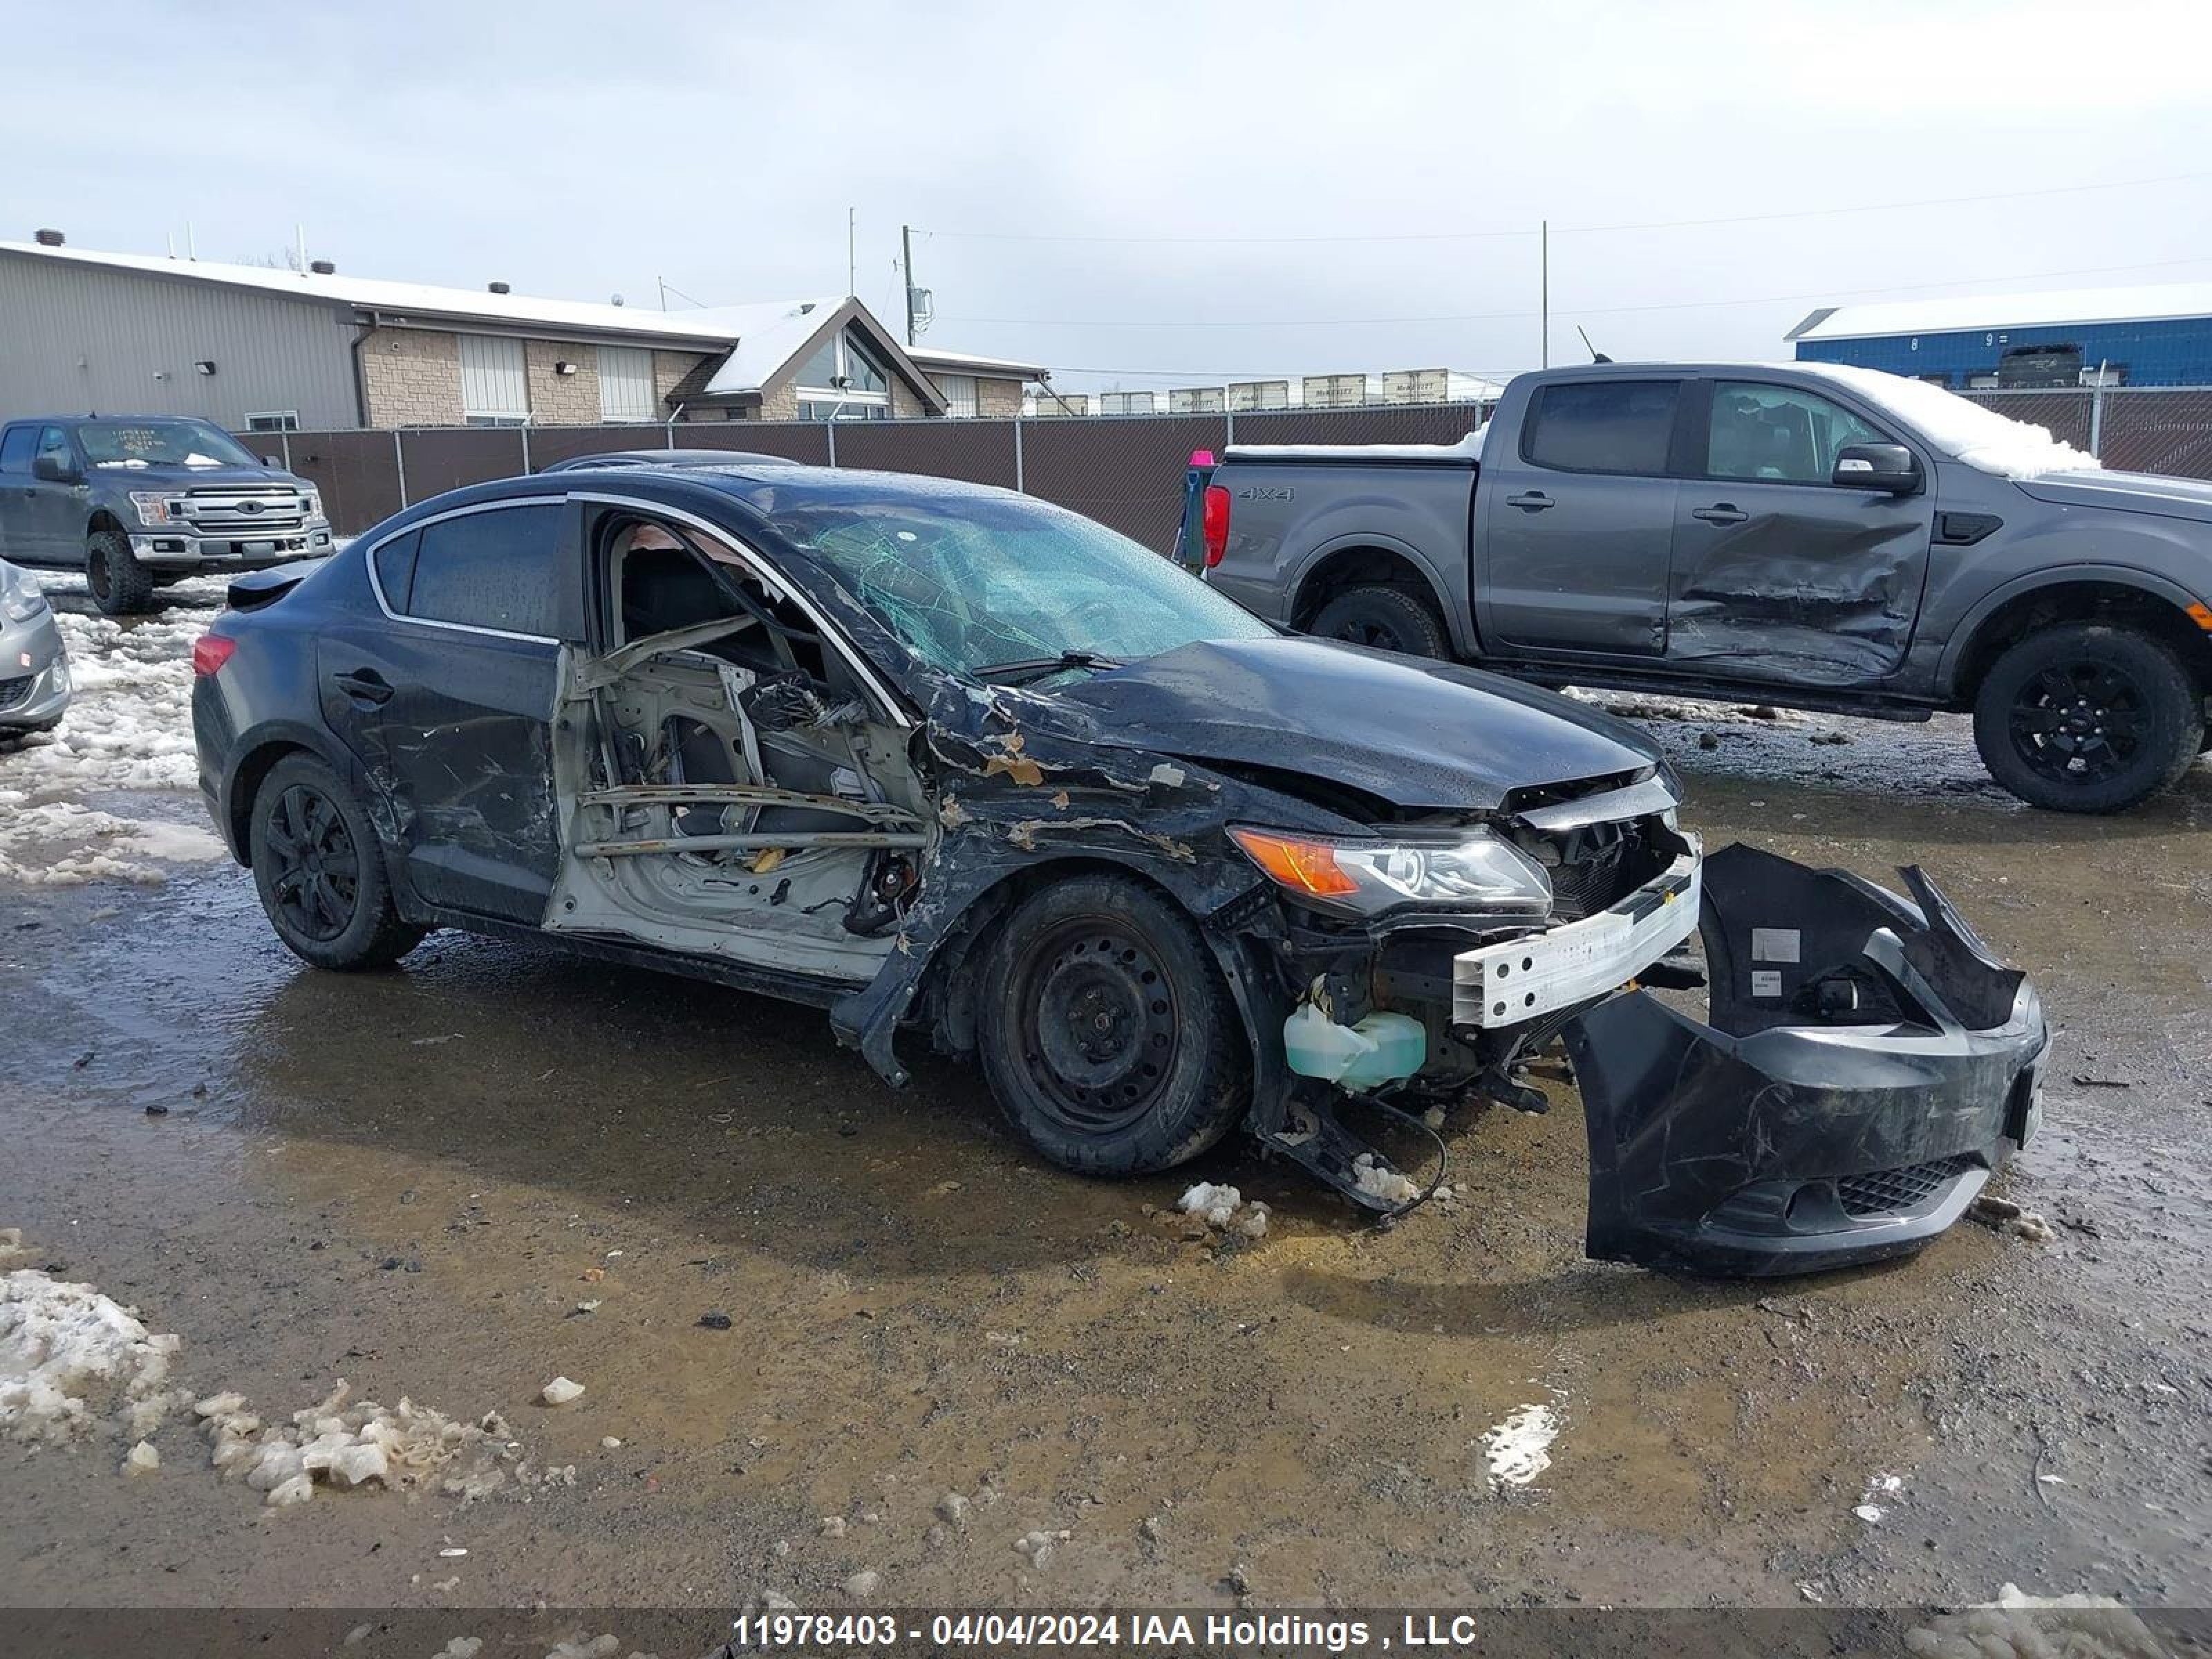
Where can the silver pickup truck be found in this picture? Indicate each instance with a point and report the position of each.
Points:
(1808, 535)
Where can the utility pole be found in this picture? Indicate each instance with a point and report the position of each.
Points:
(906, 246)
(663, 283)
(1544, 291)
(852, 262)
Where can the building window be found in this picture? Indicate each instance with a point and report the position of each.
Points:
(843, 374)
(274, 420)
(959, 391)
(625, 384)
(494, 386)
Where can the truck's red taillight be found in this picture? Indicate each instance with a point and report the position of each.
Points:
(210, 652)
(1213, 524)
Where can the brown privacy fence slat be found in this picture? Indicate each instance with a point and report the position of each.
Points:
(1126, 472)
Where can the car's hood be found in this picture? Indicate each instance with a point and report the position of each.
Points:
(1421, 735)
(190, 478)
(2128, 492)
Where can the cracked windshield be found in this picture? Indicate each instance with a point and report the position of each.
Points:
(977, 585)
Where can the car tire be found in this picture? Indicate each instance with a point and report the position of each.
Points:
(1384, 619)
(121, 586)
(319, 870)
(2088, 718)
(1106, 1034)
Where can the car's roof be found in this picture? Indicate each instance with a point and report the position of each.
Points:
(103, 415)
(761, 489)
(626, 458)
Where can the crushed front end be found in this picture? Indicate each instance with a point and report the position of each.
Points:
(1864, 1067)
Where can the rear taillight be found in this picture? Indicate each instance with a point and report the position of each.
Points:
(210, 652)
(1213, 524)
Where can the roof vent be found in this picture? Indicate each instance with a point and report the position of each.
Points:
(50, 239)
(498, 287)
(322, 268)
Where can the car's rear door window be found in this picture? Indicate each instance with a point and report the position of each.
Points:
(1603, 426)
(395, 570)
(493, 569)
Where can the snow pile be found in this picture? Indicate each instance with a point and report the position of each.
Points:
(69, 1356)
(130, 725)
(2021, 1626)
(1223, 1209)
(1519, 1449)
(1884, 1487)
(1979, 436)
(1378, 1180)
(339, 1446)
(60, 844)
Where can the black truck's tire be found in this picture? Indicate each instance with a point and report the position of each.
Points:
(1106, 1034)
(2087, 718)
(1384, 619)
(121, 586)
(319, 870)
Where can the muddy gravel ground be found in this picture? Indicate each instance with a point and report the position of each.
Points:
(808, 1308)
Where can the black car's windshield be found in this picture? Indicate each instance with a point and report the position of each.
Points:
(980, 583)
(159, 443)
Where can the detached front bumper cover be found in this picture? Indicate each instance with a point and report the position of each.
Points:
(1867, 1065)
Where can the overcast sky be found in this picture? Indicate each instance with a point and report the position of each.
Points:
(584, 151)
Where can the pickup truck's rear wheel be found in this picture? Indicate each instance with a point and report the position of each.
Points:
(121, 586)
(1384, 619)
(2087, 718)
(319, 870)
(1106, 1034)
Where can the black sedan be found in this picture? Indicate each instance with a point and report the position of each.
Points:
(948, 759)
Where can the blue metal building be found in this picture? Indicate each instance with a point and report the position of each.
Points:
(2158, 336)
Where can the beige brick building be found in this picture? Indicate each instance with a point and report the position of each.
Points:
(256, 350)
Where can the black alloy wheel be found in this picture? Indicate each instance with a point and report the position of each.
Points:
(2079, 723)
(2089, 717)
(315, 881)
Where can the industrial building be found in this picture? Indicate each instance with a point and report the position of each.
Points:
(2153, 336)
(255, 349)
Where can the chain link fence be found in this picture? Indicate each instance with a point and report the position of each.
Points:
(1126, 472)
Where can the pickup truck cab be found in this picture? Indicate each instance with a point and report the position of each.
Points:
(1806, 534)
(138, 501)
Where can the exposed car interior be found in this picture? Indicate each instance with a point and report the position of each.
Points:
(728, 784)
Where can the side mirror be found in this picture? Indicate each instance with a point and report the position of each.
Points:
(54, 469)
(1876, 467)
(272, 463)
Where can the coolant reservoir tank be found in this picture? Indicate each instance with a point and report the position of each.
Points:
(1383, 1047)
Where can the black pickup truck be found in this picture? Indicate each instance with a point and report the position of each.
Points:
(137, 502)
(1808, 535)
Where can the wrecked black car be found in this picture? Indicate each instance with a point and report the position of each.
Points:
(951, 762)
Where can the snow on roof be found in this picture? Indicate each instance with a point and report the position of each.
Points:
(404, 299)
(766, 336)
(2058, 306)
(1973, 432)
(970, 363)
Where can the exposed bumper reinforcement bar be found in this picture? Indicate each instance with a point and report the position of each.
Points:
(1527, 978)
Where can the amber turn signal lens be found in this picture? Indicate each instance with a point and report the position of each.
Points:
(1303, 867)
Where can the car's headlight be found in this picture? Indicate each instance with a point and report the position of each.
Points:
(310, 504)
(152, 506)
(23, 600)
(1462, 869)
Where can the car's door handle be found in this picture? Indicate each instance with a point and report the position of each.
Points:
(1529, 500)
(1720, 513)
(365, 685)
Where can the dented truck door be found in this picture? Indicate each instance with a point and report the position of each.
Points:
(1778, 573)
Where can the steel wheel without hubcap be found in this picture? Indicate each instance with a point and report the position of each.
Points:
(2079, 723)
(1098, 1024)
(316, 883)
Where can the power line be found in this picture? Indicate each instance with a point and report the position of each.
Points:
(1587, 311)
(1652, 224)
